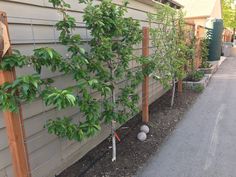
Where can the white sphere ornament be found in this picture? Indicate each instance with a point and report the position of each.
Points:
(145, 129)
(142, 136)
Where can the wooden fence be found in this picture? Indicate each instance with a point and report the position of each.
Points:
(14, 123)
(227, 35)
(200, 35)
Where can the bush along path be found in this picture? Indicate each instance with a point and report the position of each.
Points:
(203, 144)
(199, 79)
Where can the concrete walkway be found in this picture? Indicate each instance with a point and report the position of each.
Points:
(204, 142)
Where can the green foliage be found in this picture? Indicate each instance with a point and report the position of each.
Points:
(27, 87)
(57, 3)
(113, 37)
(8, 100)
(14, 60)
(60, 98)
(64, 128)
(198, 88)
(168, 39)
(205, 51)
(101, 69)
(229, 13)
(23, 88)
(195, 76)
(190, 53)
(46, 57)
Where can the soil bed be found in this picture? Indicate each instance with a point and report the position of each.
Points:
(131, 153)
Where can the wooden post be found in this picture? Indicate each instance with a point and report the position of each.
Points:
(180, 86)
(145, 86)
(197, 59)
(14, 124)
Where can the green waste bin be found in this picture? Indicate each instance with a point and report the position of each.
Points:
(216, 40)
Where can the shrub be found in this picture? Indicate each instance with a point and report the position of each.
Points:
(205, 50)
(198, 88)
(195, 76)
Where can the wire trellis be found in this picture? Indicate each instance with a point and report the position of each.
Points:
(34, 25)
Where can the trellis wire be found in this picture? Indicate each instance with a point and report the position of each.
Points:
(152, 85)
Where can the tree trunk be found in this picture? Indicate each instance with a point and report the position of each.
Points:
(232, 38)
(173, 94)
(113, 122)
(113, 141)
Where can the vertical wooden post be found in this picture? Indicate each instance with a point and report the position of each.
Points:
(180, 86)
(14, 125)
(145, 86)
(197, 59)
(199, 35)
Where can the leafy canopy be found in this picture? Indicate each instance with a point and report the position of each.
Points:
(167, 30)
(229, 13)
(104, 69)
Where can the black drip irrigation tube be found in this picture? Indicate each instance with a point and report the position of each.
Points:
(100, 157)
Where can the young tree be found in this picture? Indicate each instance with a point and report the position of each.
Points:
(167, 34)
(105, 68)
(229, 13)
(113, 38)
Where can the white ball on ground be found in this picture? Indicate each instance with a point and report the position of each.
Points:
(145, 129)
(142, 136)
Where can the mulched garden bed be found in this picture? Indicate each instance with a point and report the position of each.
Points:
(131, 153)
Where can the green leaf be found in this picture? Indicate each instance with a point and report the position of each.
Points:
(59, 98)
(93, 82)
(49, 52)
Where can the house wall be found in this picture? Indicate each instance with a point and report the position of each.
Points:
(200, 22)
(31, 25)
(200, 12)
(217, 10)
(197, 22)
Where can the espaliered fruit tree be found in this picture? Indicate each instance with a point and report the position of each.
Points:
(170, 49)
(101, 68)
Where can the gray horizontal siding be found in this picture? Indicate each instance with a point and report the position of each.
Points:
(5, 158)
(3, 139)
(1, 120)
(32, 25)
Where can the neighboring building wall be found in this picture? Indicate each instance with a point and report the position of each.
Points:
(197, 8)
(198, 21)
(31, 25)
(217, 10)
(206, 20)
(200, 12)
